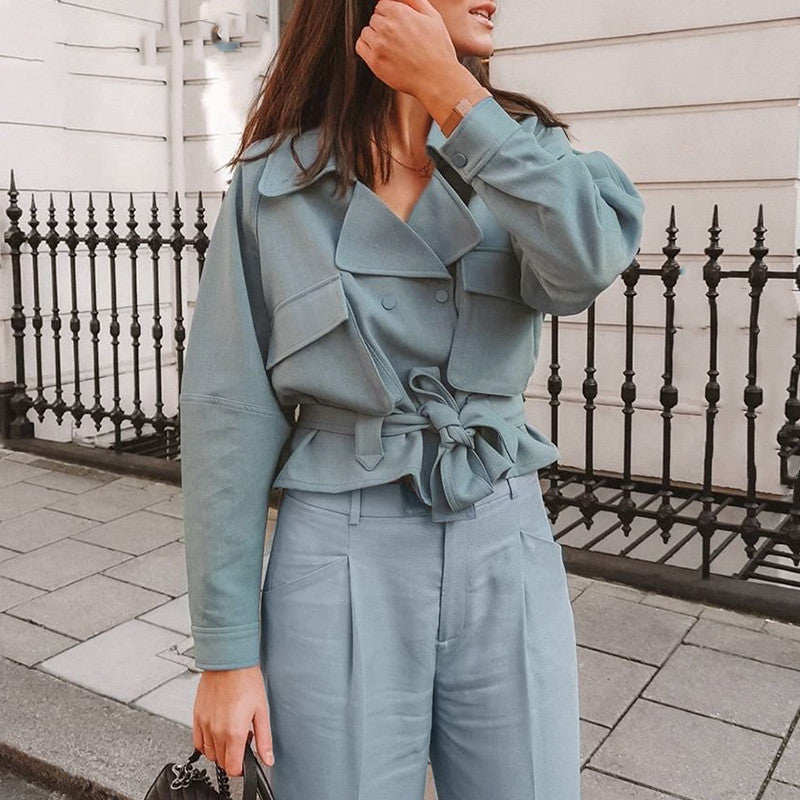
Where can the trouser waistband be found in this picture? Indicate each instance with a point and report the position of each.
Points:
(395, 499)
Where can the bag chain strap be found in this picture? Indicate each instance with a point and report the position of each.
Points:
(186, 773)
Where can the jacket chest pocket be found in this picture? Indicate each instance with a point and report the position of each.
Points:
(317, 351)
(496, 341)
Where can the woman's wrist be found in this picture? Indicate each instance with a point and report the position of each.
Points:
(441, 96)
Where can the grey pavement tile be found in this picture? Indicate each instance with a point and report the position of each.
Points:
(615, 590)
(88, 606)
(5, 553)
(134, 533)
(173, 615)
(631, 630)
(39, 527)
(608, 685)
(14, 471)
(111, 501)
(599, 786)
(122, 663)
(692, 756)
(788, 769)
(28, 643)
(172, 506)
(60, 563)
(65, 481)
(174, 699)
(19, 498)
(13, 593)
(730, 617)
(752, 644)
(18, 455)
(729, 687)
(786, 630)
(162, 570)
(781, 791)
(673, 604)
(591, 737)
(577, 584)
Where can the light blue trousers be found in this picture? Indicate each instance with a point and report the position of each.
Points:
(389, 639)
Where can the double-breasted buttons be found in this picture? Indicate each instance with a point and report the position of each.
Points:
(459, 159)
(441, 295)
(388, 301)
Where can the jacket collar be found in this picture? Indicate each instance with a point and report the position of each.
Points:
(280, 173)
(440, 229)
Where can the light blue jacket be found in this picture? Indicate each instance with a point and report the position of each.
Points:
(407, 345)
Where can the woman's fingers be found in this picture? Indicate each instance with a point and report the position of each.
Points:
(262, 734)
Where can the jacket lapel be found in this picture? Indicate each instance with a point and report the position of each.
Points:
(373, 239)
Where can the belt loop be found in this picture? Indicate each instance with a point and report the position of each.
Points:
(355, 506)
(512, 486)
(368, 440)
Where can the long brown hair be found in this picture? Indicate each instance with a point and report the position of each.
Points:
(316, 78)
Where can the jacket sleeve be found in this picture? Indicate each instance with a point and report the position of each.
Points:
(575, 219)
(232, 431)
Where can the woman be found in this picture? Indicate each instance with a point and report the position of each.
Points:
(368, 317)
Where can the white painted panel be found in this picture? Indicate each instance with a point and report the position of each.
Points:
(53, 160)
(714, 144)
(732, 66)
(536, 22)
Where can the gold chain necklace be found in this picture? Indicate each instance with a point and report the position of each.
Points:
(424, 171)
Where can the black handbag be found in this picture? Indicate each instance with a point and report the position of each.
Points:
(188, 782)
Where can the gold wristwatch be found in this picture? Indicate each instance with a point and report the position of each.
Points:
(461, 108)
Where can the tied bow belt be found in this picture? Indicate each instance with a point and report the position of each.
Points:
(477, 441)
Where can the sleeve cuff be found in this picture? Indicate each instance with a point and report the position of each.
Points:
(226, 648)
(478, 137)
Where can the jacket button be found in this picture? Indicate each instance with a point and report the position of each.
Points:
(441, 296)
(459, 159)
(388, 301)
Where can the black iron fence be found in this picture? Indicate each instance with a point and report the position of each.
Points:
(677, 534)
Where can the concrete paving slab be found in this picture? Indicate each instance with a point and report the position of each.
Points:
(172, 506)
(787, 630)
(15, 471)
(692, 756)
(60, 563)
(121, 663)
(136, 533)
(757, 645)
(173, 615)
(19, 498)
(729, 687)
(730, 617)
(788, 769)
(67, 481)
(12, 787)
(162, 570)
(111, 501)
(598, 786)
(39, 527)
(591, 737)
(174, 699)
(13, 593)
(89, 606)
(676, 604)
(631, 630)
(781, 791)
(608, 685)
(28, 643)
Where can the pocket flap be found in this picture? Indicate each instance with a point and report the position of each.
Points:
(492, 272)
(306, 316)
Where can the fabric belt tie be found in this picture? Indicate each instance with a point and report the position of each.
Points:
(476, 444)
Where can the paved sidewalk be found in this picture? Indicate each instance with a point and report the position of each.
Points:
(97, 681)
